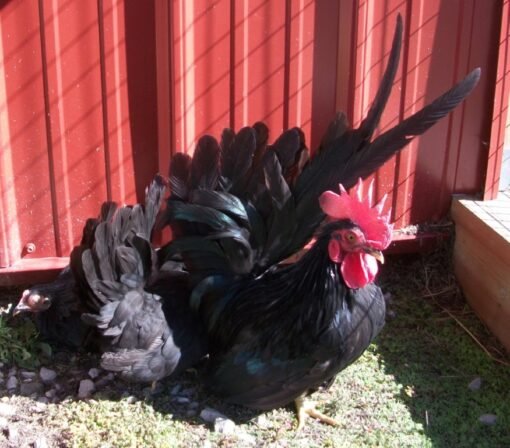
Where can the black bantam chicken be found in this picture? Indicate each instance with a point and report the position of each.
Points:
(137, 313)
(57, 311)
(238, 208)
(57, 307)
(140, 309)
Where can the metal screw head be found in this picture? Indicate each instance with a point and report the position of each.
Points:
(30, 248)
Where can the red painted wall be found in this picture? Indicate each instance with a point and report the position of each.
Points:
(78, 117)
(95, 96)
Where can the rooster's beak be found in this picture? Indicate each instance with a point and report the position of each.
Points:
(377, 254)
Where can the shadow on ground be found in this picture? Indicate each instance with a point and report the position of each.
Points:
(435, 360)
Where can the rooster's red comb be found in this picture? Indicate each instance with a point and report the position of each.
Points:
(371, 220)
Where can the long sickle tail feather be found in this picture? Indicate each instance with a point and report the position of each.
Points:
(384, 146)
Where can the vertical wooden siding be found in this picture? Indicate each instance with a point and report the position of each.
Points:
(96, 95)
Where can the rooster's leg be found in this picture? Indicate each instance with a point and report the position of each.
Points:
(154, 386)
(307, 409)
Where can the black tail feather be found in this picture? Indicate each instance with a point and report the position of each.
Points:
(224, 202)
(282, 220)
(228, 155)
(369, 124)
(337, 127)
(205, 164)
(261, 140)
(154, 196)
(387, 144)
(180, 167)
(243, 149)
(286, 148)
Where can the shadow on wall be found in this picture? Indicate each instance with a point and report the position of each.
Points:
(452, 157)
(142, 90)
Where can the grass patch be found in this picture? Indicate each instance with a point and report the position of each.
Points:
(433, 358)
(19, 344)
(99, 423)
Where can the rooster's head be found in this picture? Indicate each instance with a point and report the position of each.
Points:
(357, 245)
(32, 301)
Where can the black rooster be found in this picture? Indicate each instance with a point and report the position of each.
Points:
(240, 207)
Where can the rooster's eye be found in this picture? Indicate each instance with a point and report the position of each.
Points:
(350, 237)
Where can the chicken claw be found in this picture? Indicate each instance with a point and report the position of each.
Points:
(307, 409)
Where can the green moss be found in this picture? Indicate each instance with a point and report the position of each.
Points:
(19, 344)
(117, 424)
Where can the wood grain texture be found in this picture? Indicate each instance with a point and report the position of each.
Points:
(482, 263)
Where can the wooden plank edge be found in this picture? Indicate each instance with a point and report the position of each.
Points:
(32, 270)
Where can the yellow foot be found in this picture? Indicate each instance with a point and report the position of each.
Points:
(307, 409)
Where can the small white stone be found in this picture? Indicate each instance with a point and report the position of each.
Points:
(27, 375)
(94, 373)
(12, 383)
(7, 410)
(39, 408)
(224, 426)
(86, 388)
(210, 415)
(262, 421)
(41, 443)
(13, 435)
(488, 419)
(475, 384)
(47, 375)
